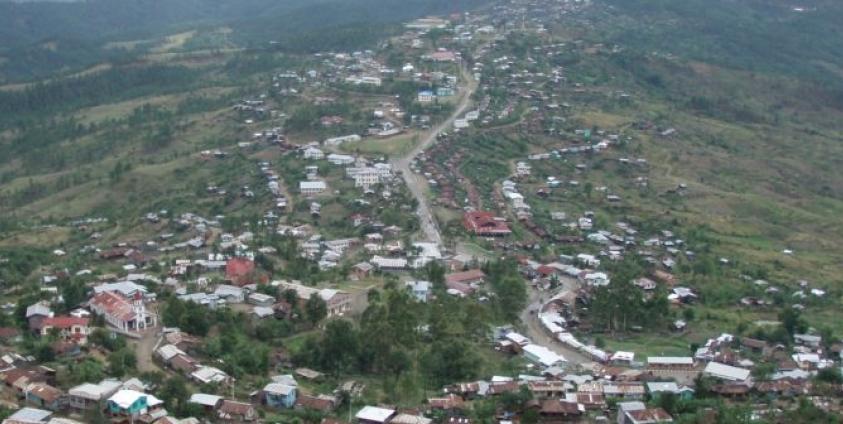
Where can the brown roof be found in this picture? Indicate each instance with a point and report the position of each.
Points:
(451, 401)
(730, 389)
(322, 403)
(753, 343)
(463, 388)
(465, 276)
(183, 363)
(591, 400)
(785, 385)
(559, 407)
(13, 375)
(652, 415)
(45, 392)
(232, 408)
(503, 387)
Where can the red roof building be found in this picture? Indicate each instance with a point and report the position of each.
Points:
(121, 313)
(69, 328)
(240, 271)
(471, 276)
(485, 224)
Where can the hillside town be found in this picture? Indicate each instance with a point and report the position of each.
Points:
(414, 260)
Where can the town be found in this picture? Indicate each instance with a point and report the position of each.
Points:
(453, 226)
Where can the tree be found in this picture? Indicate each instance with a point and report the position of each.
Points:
(315, 309)
(792, 321)
(339, 346)
(830, 375)
(175, 394)
(73, 294)
(121, 362)
(450, 360)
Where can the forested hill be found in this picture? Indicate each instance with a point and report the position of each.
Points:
(45, 36)
(802, 39)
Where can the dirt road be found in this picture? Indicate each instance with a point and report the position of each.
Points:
(534, 330)
(415, 183)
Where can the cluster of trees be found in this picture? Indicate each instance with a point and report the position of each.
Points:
(396, 336)
(621, 305)
(190, 317)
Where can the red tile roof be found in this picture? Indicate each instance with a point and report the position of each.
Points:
(64, 322)
(465, 276)
(485, 223)
(113, 304)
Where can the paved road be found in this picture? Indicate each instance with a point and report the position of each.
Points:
(415, 183)
(534, 330)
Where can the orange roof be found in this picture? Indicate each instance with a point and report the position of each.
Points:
(461, 277)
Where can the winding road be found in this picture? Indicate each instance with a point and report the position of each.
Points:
(534, 331)
(415, 183)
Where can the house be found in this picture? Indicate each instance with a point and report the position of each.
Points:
(183, 364)
(89, 396)
(132, 403)
(208, 375)
(338, 159)
(389, 264)
(240, 271)
(405, 418)
(470, 277)
(336, 141)
(28, 416)
(591, 400)
(809, 340)
(122, 314)
(45, 396)
(670, 363)
(657, 388)
(68, 328)
(419, 289)
(235, 412)
(426, 96)
(280, 396)
(207, 402)
(321, 403)
(313, 153)
(338, 302)
(260, 299)
(127, 289)
(755, 345)
(18, 379)
(646, 416)
(622, 358)
(310, 188)
(374, 415)
(543, 356)
(361, 271)
(231, 294)
(448, 403)
(485, 224)
(548, 389)
(553, 410)
(627, 390)
(726, 372)
(523, 169)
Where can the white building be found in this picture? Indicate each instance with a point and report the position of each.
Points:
(313, 153)
(336, 141)
(309, 188)
(338, 159)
